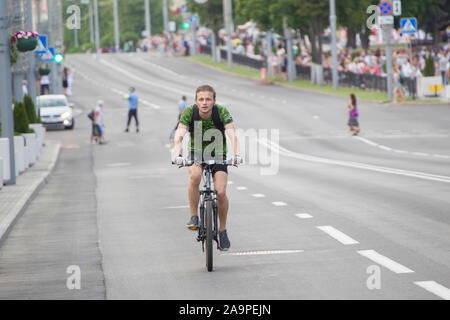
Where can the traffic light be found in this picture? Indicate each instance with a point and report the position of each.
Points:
(186, 25)
(58, 58)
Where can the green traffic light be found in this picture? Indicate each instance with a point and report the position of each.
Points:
(58, 58)
(186, 25)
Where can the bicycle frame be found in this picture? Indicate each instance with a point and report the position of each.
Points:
(207, 194)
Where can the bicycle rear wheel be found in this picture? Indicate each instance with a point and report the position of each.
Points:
(209, 235)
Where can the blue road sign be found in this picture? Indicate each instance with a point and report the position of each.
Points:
(193, 19)
(48, 55)
(408, 25)
(42, 44)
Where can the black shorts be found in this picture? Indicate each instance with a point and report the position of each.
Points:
(216, 167)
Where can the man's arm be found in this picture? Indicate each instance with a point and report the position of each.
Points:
(231, 133)
(178, 140)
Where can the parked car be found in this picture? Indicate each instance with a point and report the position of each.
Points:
(55, 111)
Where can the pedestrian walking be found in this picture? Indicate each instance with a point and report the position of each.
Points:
(353, 115)
(25, 87)
(133, 100)
(98, 130)
(398, 86)
(65, 83)
(181, 106)
(45, 85)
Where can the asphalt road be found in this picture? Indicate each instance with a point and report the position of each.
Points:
(323, 215)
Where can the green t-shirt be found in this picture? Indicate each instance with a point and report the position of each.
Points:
(225, 118)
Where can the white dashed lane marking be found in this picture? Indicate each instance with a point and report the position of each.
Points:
(385, 261)
(338, 235)
(435, 288)
(303, 216)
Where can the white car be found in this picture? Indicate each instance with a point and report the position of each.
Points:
(55, 111)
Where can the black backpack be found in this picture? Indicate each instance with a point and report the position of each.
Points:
(215, 117)
(91, 115)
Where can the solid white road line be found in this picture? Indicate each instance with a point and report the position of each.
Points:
(385, 261)
(304, 215)
(435, 288)
(283, 151)
(338, 235)
(422, 154)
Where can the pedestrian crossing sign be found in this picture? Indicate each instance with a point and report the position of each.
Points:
(408, 25)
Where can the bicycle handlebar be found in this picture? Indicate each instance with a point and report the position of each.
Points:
(188, 163)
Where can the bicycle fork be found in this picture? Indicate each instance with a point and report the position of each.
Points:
(204, 197)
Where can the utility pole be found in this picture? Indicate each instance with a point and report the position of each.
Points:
(97, 32)
(31, 74)
(91, 24)
(51, 42)
(165, 17)
(390, 80)
(228, 17)
(116, 26)
(333, 44)
(269, 51)
(18, 72)
(6, 112)
(148, 24)
(290, 59)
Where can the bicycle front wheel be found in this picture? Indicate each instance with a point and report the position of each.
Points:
(209, 235)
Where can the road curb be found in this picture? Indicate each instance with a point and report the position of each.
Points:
(10, 220)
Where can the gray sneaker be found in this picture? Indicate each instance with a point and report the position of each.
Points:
(193, 223)
(224, 242)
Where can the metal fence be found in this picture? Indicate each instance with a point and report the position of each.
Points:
(237, 58)
(346, 79)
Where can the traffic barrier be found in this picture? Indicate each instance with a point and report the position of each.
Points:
(30, 147)
(1, 173)
(40, 135)
(19, 148)
(4, 154)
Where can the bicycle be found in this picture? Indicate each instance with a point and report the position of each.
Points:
(208, 229)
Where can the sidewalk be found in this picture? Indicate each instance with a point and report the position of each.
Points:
(14, 199)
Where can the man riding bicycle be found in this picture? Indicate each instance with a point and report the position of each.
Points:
(206, 120)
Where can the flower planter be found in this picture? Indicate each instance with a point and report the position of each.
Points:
(30, 147)
(24, 45)
(4, 154)
(1, 172)
(430, 87)
(40, 134)
(19, 149)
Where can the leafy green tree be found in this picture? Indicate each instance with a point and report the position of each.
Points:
(30, 109)
(21, 122)
(131, 19)
(433, 16)
(429, 70)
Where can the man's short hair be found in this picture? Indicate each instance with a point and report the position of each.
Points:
(132, 89)
(206, 88)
